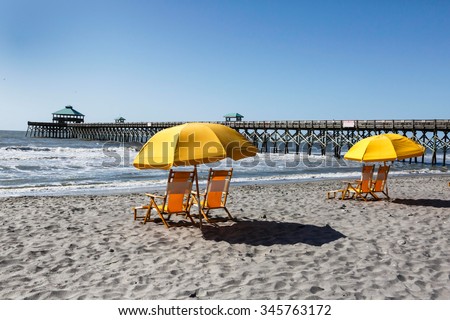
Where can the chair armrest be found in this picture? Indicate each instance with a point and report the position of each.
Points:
(154, 196)
(352, 183)
(200, 194)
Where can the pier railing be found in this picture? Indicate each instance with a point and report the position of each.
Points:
(270, 136)
(430, 125)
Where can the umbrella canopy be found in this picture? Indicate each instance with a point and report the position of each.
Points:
(192, 144)
(384, 147)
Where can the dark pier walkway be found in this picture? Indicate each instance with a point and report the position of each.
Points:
(270, 136)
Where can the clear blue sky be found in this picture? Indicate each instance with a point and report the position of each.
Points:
(168, 60)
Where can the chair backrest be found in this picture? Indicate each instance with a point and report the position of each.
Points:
(179, 187)
(217, 187)
(380, 182)
(366, 178)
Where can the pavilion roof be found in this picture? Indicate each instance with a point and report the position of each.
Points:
(68, 111)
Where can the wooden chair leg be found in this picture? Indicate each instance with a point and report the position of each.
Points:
(205, 214)
(359, 194)
(135, 212)
(374, 196)
(332, 194)
(160, 213)
(148, 214)
(190, 217)
(345, 194)
(229, 214)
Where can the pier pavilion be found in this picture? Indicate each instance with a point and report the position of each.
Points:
(233, 117)
(68, 115)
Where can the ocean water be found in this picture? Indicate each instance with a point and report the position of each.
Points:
(38, 166)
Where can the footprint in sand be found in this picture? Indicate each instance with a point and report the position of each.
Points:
(315, 289)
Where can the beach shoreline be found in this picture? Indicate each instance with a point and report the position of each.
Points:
(289, 242)
(58, 191)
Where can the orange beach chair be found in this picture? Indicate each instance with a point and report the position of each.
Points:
(215, 196)
(362, 188)
(380, 184)
(177, 199)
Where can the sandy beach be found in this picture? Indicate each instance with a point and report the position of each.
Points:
(289, 242)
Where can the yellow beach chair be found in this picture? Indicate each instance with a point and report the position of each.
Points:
(177, 199)
(215, 196)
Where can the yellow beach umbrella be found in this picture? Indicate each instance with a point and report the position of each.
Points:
(193, 144)
(384, 147)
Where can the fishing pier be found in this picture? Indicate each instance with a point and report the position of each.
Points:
(301, 136)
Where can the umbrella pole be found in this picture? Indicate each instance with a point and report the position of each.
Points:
(198, 196)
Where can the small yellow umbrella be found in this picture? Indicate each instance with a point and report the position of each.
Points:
(384, 147)
(193, 144)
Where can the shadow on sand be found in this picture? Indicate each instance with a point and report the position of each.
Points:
(437, 203)
(267, 233)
